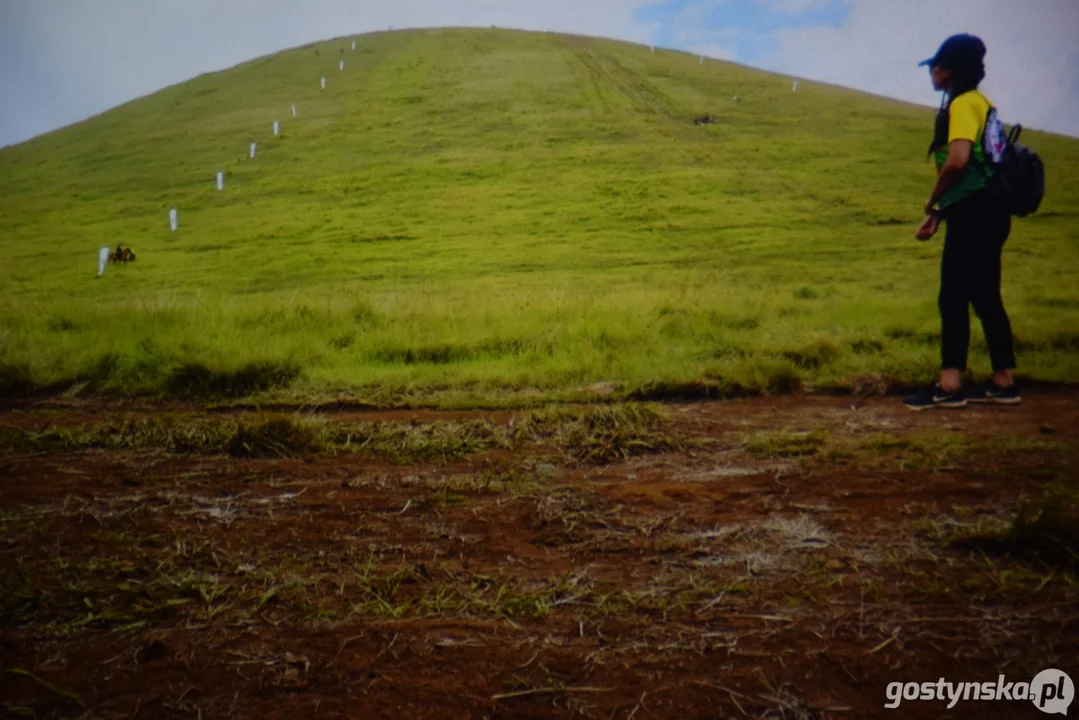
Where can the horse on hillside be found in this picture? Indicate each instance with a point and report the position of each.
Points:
(122, 255)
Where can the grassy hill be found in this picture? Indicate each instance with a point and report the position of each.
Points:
(467, 213)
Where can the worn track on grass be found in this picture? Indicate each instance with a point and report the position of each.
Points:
(789, 560)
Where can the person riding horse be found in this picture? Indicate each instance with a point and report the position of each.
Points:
(122, 255)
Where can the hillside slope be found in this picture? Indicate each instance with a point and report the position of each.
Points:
(492, 209)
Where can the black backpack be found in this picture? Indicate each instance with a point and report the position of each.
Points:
(1019, 174)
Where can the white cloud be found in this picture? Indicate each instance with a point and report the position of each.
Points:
(712, 50)
(1032, 63)
(689, 31)
(795, 7)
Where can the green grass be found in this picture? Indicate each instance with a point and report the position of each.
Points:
(786, 444)
(466, 213)
(590, 435)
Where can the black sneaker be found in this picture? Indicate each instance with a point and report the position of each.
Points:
(996, 395)
(934, 397)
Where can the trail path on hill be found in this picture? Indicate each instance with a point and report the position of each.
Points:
(791, 559)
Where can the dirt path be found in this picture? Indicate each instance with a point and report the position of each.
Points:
(789, 559)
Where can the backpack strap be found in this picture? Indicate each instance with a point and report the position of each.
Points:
(1013, 136)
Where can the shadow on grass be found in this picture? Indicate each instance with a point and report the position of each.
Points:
(198, 379)
(1048, 533)
(16, 381)
(694, 390)
(672, 391)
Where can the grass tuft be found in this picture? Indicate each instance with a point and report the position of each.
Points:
(786, 444)
(600, 434)
(409, 443)
(277, 436)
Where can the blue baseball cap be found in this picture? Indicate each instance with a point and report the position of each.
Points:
(958, 51)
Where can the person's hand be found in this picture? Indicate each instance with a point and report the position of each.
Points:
(929, 206)
(928, 228)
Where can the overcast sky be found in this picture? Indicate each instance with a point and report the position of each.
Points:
(65, 60)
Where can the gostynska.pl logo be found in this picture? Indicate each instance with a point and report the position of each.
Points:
(1051, 691)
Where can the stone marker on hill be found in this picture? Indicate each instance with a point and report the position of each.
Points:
(102, 260)
(794, 88)
(174, 221)
(252, 154)
(294, 110)
(323, 83)
(353, 44)
(220, 181)
(276, 127)
(341, 66)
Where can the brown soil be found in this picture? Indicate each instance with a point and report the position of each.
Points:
(790, 561)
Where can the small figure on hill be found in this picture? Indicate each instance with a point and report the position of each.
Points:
(122, 255)
(977, 227)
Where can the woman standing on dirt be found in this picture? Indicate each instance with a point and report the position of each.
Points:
(978, 224)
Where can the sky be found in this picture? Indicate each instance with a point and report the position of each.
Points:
(62, 61)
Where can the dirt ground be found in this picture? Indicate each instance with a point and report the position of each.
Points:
(762, 558)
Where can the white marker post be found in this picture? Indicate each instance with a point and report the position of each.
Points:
(702, 59)
(102, 260)
(293, 111)
(220, 181)
(794, 88)
(341, 66)
(323, 83)
(653, 48)
(276, 127)
(174, 222)
(353, 44)
(252, 155)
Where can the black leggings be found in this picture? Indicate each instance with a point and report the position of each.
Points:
(970, 275)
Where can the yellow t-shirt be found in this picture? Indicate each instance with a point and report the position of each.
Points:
(966, 121)
(966, 116)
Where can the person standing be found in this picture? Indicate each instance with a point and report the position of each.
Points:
(977, 226)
